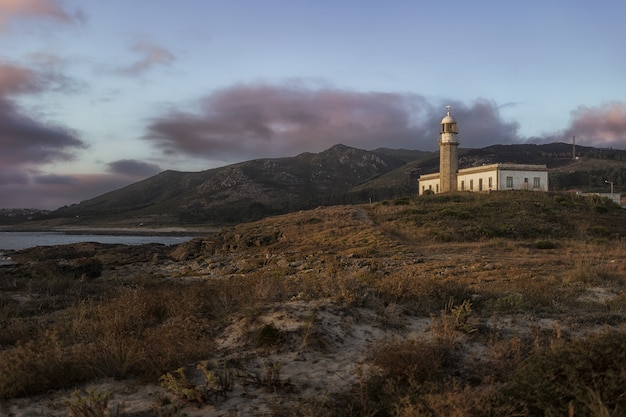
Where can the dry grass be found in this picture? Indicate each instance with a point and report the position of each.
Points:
(506, 280)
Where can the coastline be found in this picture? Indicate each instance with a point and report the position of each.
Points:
(11, 240)
(117, 231)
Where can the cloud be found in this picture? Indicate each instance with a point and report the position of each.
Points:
(11, 175)
(480, 125)
(249, 121)
(17, 80)
(26, 142)
(36, 9)
(43, 76)
(133, 168)
(48, 70)
(50, 191)
(55, 179)
(24, 188)
(150, 55)
(602, 126)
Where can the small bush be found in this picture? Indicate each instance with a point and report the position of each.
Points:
(600, 231)
(94, 404)
(215, 385)
(510, 303)
(601, 209)
(37, 366)
(402, 201)
(416, 361)
(545, 244)
(454, 318)
(590, 273)
(267, 336)
(588, 375)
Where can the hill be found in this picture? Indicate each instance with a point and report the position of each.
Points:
(254, 189)
(243, 191)
(503, 304)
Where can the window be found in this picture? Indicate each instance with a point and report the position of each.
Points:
(437, 188)
(509, 182)
(480, 184)
(536, 182)
(462, 185)
(471, 185)
(490, 183)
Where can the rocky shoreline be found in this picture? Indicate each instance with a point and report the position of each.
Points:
(117, 231)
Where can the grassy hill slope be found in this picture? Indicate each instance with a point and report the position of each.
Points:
(503, 304)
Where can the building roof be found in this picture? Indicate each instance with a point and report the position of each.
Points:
(448, 119)
(490, 167)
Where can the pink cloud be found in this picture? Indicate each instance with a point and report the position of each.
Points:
(150, 55)
(51, 9)
(251, 121)
(41, 77)
(603, 126)
(16, 80)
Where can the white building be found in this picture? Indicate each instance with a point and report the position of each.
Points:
(494, 177)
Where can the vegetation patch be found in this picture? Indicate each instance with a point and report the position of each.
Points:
(580, 377)
(450, 305)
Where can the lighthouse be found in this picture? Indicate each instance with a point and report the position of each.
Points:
(484, 178)
(448, 153)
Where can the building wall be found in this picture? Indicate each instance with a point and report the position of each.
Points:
(478, 179)
(523, 179)
(492, 177)
(429, 182)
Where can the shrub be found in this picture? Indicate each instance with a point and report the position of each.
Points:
(601, 209)
(402, 201)
(599, 230)
(588, 375)
(142, 332)
(588, 272)
(215, 385)
(267, 336)
(416, 361)
(36, 366)
(95, 404)
(509, 303)
(545, 244)
(454, 318)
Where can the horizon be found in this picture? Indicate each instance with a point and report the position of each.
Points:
(95, 96)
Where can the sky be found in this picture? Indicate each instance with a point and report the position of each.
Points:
(96, 95)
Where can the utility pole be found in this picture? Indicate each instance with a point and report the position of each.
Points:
(574, 147)
(610, 182)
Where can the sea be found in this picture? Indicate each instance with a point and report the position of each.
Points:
(24, 240)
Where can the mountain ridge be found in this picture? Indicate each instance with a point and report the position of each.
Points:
(341, 174)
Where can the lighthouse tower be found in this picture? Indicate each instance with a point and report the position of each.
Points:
(448, 154)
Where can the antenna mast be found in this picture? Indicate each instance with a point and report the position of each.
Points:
(574, 147)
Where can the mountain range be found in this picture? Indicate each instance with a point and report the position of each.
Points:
(258, 188)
